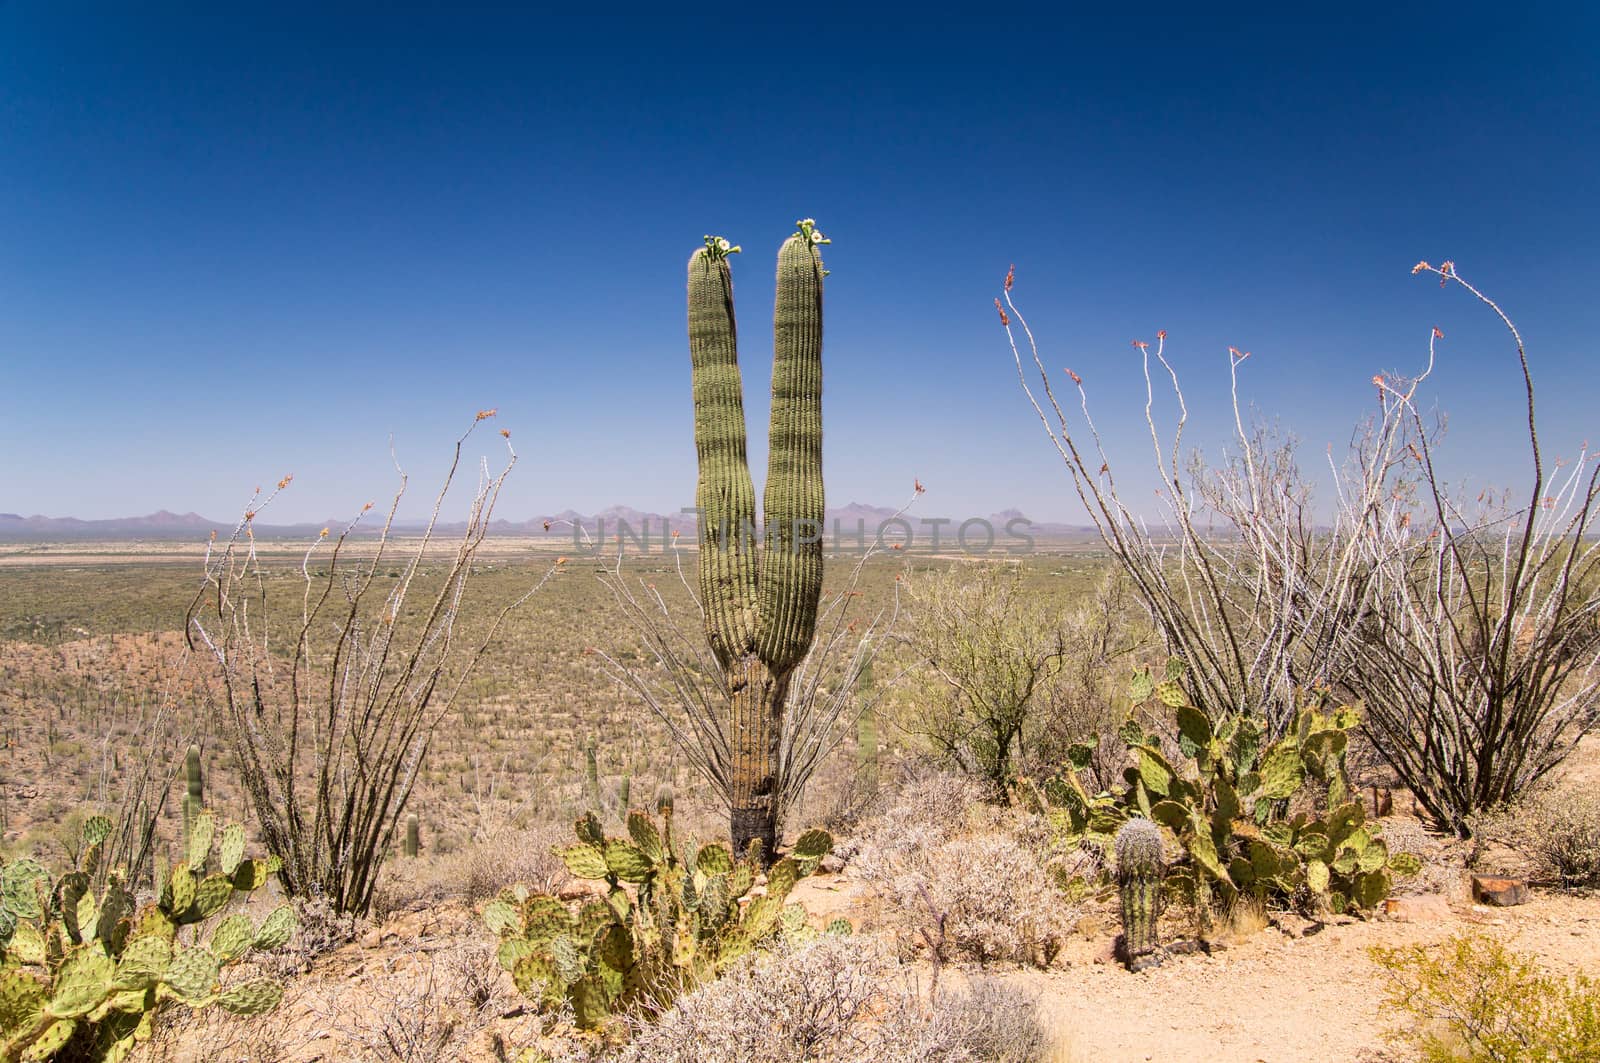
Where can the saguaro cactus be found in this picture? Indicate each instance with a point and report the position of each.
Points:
(413, 841)
(194, 799)
(760, 611)
(1139, 870)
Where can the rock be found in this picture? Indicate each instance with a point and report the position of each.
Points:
(1295, 926)
(372, 939)
(1423, 908)
(1500, 892)
(830, 864)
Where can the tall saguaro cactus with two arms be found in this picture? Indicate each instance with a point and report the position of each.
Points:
(760, 607)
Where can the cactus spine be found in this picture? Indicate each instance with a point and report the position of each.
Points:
(760, 613)
(413, 835)
(1139, 870)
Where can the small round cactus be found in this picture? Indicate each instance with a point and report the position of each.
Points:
(1139, 870)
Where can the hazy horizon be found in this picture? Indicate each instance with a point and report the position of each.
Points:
(243, 245)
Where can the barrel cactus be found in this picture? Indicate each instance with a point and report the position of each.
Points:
(760, 608)
(1139, 870)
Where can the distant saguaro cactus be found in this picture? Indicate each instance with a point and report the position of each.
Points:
(413, 835)
(1139, 870)
(194, 799)
(760, 612)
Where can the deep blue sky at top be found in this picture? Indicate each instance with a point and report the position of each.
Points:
(243, 240)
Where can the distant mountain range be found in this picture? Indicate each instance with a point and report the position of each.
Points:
(846, 522)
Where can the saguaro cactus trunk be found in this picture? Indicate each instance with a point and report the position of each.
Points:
(760, 606)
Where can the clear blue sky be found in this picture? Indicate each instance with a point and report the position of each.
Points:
(240, 243)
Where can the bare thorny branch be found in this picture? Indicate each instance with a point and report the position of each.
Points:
(1470, 631)
(331, 726)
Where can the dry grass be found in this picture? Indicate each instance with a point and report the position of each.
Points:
(837, 1000)
(947, 875)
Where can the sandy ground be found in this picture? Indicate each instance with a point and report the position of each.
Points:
(1269, 998)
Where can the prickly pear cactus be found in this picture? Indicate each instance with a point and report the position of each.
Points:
(1244, 813)
(83, 976)
(668, 921)
(1139, 871)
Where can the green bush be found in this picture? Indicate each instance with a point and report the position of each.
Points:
(84, 976)
(1474, 1001)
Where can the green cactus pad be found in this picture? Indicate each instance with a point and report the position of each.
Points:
(781, 878)
(255, 997)
(199, 845)
(714, 859)
(193, 973)
(584, 861)
(813, 845)
(26, 945)
(588, 830)
(21, 999)
(232, 938)
(1282, 772)
(645, 835)
(20, 886)
(51, 1040)
(501, 918)
(143, 963)
(181, 886)
(211, 895)
(82, 981)
(276, 928)
(231, 850)
(250, 875)
(626, 861)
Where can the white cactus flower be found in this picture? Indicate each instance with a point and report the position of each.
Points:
(816, 237)
(722, 243)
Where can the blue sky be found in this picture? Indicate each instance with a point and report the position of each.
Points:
(235, 244)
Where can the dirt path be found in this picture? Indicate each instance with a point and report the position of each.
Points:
(1276, 999)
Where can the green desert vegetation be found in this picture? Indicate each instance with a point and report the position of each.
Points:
(749, 797)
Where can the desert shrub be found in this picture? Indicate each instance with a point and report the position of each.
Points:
(988, 1022)
(1558, 832)
(992, 651)
(476, 872)
(947, 875)
(1474, 1001)
(840, 999)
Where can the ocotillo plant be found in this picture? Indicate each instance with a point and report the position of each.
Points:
(1139, 883)
(760, 613)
